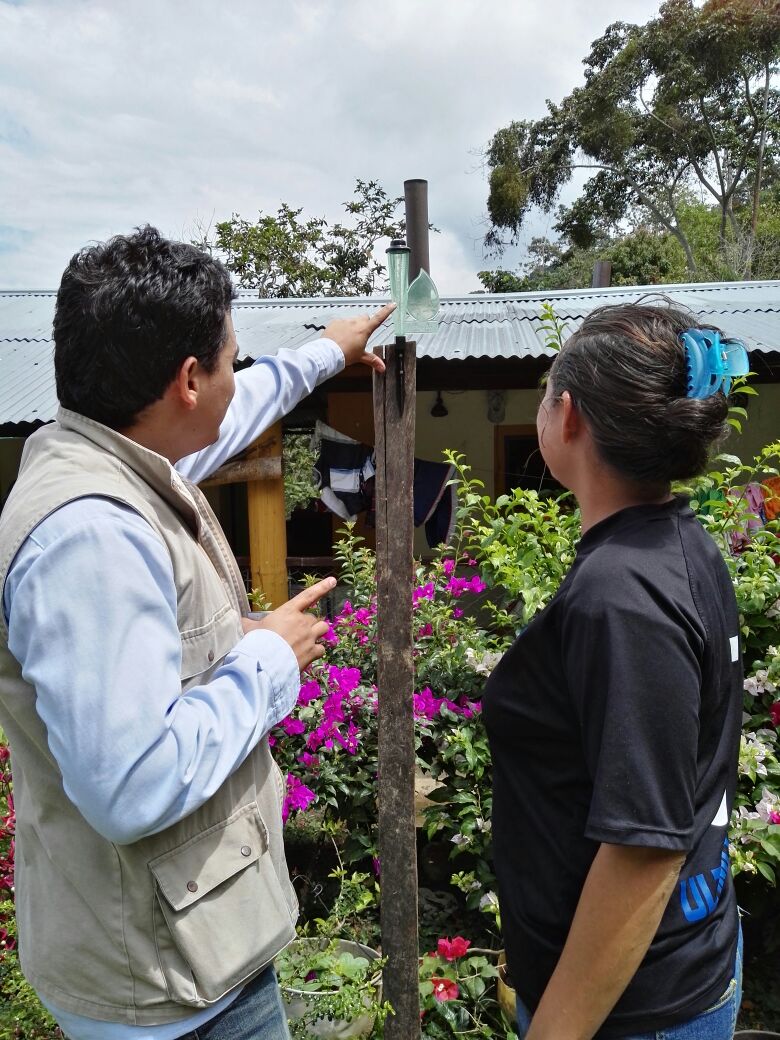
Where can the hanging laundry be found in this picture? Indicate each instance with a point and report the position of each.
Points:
(345, 473)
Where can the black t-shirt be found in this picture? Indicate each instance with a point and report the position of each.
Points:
(615, 717)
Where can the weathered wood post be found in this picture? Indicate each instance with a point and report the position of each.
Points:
(394, 415)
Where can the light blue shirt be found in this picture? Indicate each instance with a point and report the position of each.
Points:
(90, 603)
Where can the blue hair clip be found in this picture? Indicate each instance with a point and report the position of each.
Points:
(712, 362)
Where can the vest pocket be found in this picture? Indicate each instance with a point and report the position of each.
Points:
(222, 912)
(203, 647)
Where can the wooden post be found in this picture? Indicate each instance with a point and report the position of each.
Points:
(602, 274)
(267, 530)
(394, 415)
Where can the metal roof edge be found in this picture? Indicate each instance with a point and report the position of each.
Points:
(246, 296)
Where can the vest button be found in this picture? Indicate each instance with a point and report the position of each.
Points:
(192, 886)
(211, 655)
(245, 850)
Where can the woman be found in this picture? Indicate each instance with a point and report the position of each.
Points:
(614, 719)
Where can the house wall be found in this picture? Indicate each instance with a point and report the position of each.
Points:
(762, 426)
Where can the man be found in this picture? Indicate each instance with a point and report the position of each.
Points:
(151, 888)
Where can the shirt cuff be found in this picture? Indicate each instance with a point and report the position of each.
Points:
(330, 357)
(275, 658)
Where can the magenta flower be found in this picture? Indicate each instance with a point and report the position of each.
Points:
(774, 817)
(293, 727)
(310, 691)
(425, 630)
(457, 586)
(477, 584)
(448, 566)
(426, 591)
(299, 797)
(457, 612)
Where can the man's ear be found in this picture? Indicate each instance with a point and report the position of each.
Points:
(572, 421)
(185, 384)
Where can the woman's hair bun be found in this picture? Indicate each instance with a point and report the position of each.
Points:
(625, 369)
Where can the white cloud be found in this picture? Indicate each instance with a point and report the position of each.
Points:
(172, 112)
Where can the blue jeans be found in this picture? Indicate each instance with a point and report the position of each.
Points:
(257, 1014)
(716, 1023)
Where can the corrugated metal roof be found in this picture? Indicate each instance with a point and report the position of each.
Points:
(478, 326)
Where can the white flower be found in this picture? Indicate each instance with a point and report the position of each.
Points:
(460, 839)
(751, 686)
(485, 663)
(768, 804)
(490, 899)
(773, 612)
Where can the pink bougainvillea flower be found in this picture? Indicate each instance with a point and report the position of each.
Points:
(456, 586)
(293, 727)
(448, 566)
(457, 612)
(425, 630)
(330, 638)
(347, 608)
(309, 691)
(774, 817)
(345, 680)
(310, 761)
(477, 584)
(427, 591)
(451, 950)
(298, 796)
(426, 705)
(444, 989)
(774, 713)
(376, 863)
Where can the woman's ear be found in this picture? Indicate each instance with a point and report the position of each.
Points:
(571, 420)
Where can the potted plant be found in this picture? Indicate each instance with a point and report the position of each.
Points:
(331, 987)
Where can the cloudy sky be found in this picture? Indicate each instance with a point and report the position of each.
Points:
(181, 112)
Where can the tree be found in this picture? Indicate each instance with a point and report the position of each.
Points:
(287, 255)
(688, 100)
(650, 255)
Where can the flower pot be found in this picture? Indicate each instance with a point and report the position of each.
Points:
(755, 1034)
(297, 1002)
(506, 994)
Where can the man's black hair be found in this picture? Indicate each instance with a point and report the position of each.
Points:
(129, 312)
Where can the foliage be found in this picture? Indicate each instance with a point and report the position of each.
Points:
(687, 100)
(22, 1017)
(329, 982)
(457, 993)
(288, 255)
(647, 254)
(752, 554)
(298, 460)
(328, 745)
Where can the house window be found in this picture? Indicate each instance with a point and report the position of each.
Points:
(518, 462)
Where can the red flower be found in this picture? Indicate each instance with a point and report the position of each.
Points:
(774, 712)
(451, 951)
(444, 989)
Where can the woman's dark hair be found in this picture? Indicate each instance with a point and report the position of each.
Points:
(625, 370)
(129, 311)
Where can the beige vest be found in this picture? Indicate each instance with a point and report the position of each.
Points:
(141, 933)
